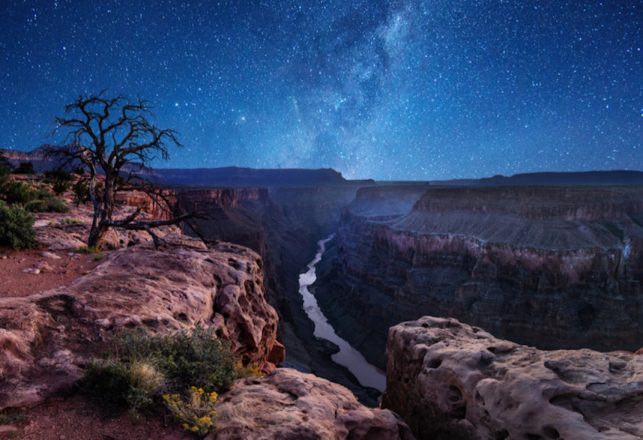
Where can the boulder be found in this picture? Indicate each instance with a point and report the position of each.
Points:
(449, 380)
(288, 404)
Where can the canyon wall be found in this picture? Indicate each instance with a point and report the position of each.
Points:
(282, 224)
(549, 267)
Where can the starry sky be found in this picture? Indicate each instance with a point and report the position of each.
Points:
(409, 89)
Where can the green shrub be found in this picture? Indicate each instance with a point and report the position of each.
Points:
(187, 359)
(24, 168)
(71, 221)
(16, 227)
(140, 368)
(18, 192)
(59, 178)
(50, 204)
(81, 192)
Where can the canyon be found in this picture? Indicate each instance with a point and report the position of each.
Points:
(319, 281)
(552, 267)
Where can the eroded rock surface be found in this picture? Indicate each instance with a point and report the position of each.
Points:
(47, 338)
(288, 404)
(449, 380)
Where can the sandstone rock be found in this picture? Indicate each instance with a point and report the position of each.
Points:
(449, 380)
(47, 338)
(292, 405)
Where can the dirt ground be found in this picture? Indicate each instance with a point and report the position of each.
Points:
(76, 418)
(17, 270)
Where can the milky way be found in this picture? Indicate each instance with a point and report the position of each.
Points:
(392, 90)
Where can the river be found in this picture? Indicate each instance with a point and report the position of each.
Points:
(367, 374)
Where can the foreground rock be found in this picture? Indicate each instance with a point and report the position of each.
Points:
(449, 380)
(47, 338)
(292, 405)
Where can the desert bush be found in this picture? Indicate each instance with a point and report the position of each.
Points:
(18, 192)
(123, 385)
(196, 413)
(141, 370)
(60, 180)
(197, 358)
(24, 168)
(71, 221)
(16, 227)
(81, 192)
(49, 204)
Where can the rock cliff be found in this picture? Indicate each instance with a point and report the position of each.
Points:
(451, 381)
(47, 338)
(282, 224)
(549, 267)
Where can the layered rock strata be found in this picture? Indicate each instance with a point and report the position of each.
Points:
(549, 267)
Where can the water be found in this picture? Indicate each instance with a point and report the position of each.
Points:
(367, 374)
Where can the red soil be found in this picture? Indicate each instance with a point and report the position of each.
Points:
(15, 282)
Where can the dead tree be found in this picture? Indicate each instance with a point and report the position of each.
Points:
(113, 138)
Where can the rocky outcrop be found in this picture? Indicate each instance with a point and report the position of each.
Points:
(47, 338)
(451, 381)
(549, 267)
(283, 225)
(288, 404)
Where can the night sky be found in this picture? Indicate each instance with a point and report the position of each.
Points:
(411, 89)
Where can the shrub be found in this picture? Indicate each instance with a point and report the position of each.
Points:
(59, 178)
(196, 413)
(18, 192)
(50, 204)
(140, 367)
(71, 221)
(197, 358)
(122, 385)
(81, 192)
(16, 227)
(24, 168)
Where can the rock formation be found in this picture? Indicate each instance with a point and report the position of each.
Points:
(46, 338)
(283, 225)
(288, 404)
(549, 267)
(451, 381)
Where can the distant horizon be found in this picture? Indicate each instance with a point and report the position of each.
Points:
(485, 176)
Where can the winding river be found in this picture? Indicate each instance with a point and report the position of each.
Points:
(367, 374)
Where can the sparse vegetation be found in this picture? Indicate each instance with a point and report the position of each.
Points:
(49, 204)
(11, 416)
(88, 250)
(183, 372)
(16, 227)
(59, 179)
(71, 221)
(81, 192)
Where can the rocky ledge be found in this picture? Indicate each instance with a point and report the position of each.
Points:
(451, 381)
(288, 404)
(48, 337)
